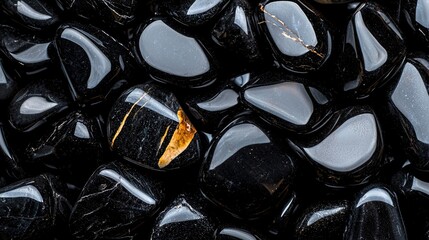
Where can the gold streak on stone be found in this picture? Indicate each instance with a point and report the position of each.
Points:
(163, 138)
(180, 140)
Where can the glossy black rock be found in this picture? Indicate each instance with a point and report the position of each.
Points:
(8, 84)
(298, 35)
(376, 215)
(32, 208)
(185, 218)
(325, 220)
(172, 56)
(347, 150)
(10, 166)
(38, 102)
(238, 174)
(235, 31)
(372, 51)
(148, 127)
(283, 216)
(407, 109)
(27, 52)
(234, 233)
(115, 202)
(287, 101)
(193, 12)
(72, 148)
(415, 14)
(93, 62)
(33, 14)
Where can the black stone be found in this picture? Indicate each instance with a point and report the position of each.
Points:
(93, 62)
(299, 37)
(171, 55)
(415, 18)
(239, 176)
(8, 84)
(376, 215)
(347, 150)
(29, 53)
(10, 166)
(324, 220)
(71, 148)
(286, 101)
(115, 202)
(38, 102)
(373, 49)
(185, 218)
(283, 216)
(193, 12)
(234, 233)
(37, 15)
(235, 32)
(148, 127)
(32, 208)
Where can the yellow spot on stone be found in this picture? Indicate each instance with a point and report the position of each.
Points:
(180, 140)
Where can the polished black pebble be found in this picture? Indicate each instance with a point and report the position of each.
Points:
(408, 109)
(239, 176)
(93, 62)
(33, 208)
(234, 233)
(10, 165)
(298, 35)
(171, 56)
(33, 14)
(415, 15)
(193, 12)
(148, 127)
(235, 31)
(373, 49)
(347, 150)
(283, 216)
(72, 148)
(287, 101)
(324, 220)
(29, 53)
(187, 218)
(116, 201)
(8, 84)
(38, 102)
(376, 215)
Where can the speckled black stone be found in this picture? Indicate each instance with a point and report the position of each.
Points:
(148, 114)
(239, 176)
(116, 201)
(33, 208)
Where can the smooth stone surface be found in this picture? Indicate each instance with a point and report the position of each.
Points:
(288, 101)
(148, 127)
(37, 103)
(173, 57)
(29, 53)
(347, 150)
(376, 215)
(239, 176)
(372, 50)
(416, 18)
(33, 14)
(33, 207)
(93, 62)
(234, 233)
(115, 202)
(10, 166)
(193, 12)
(185, 218)
(8, 83)
(299, 37)
(325, 220)
(283, 216)
(72, 148)
(235, 31)
(407, 109)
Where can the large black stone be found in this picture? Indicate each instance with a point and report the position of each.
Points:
(148, 127)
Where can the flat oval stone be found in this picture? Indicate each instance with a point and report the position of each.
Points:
(376, 215)
(92, 61)
(32, 14)
(238, 175)
(38, 102)
(185, 218)
(288, 101)
(172, 57)
(193, 12)
(148, 127)
(115, 202)
(33, 207)
(347, 150)
(299, 37)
